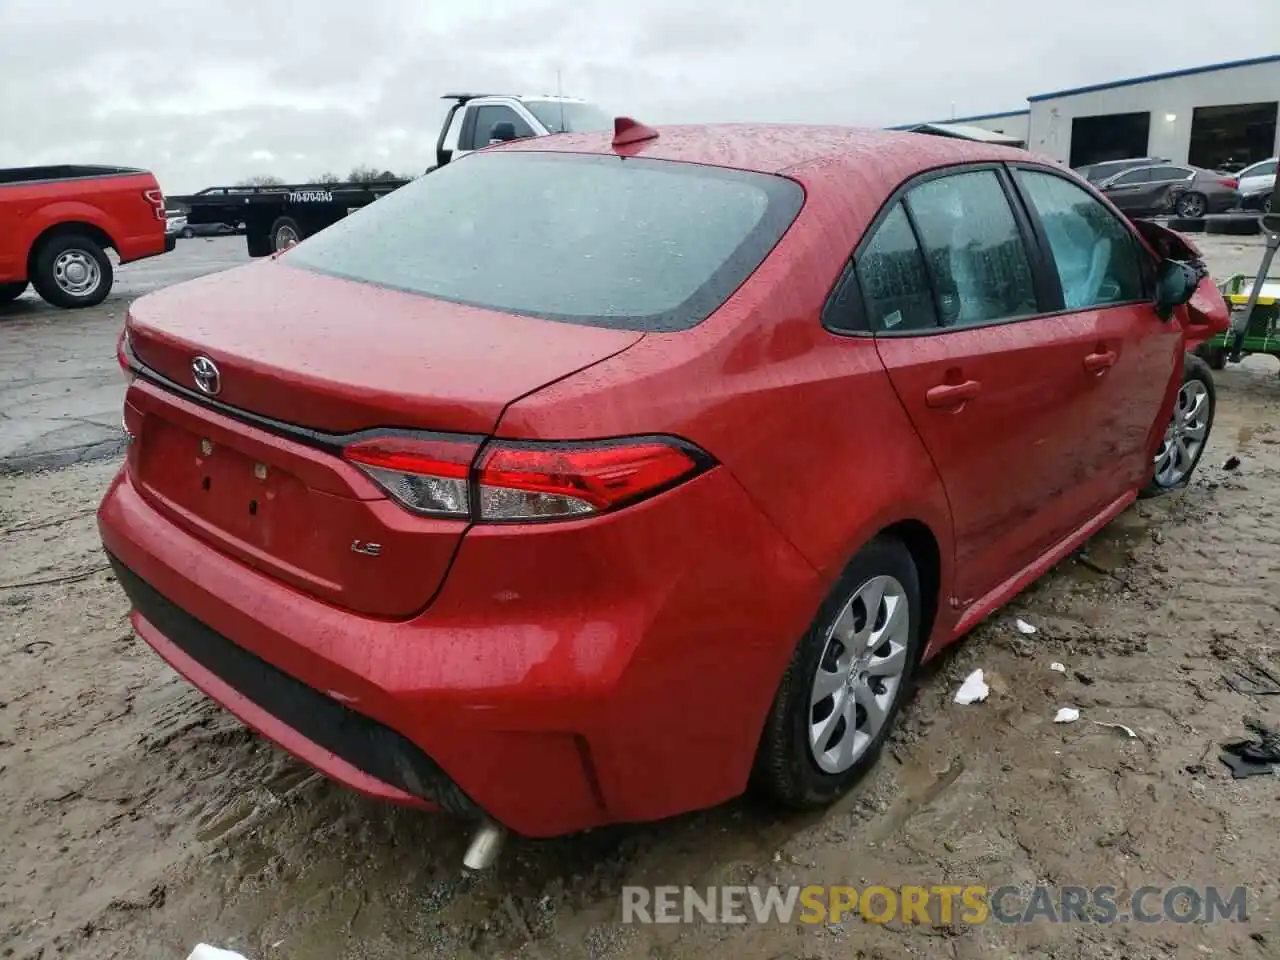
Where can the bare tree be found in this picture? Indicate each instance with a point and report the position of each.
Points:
(367, 174)
(328, 177)
(262, 180)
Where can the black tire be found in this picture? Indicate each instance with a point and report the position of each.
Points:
(45, 275)
(280, 232)
(1194, 369)
(187, 233)
(1214, 357)
(1235, 226)
(12, 291)
(1191, 205)
(1187, 224)
(258, 244)
(785, 770)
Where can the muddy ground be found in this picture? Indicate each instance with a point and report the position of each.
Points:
(140, 819)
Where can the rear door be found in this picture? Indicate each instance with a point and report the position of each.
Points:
(1168, 182)
(989, 371)
(1105, 275)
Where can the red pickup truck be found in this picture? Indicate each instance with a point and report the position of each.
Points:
(56, 224)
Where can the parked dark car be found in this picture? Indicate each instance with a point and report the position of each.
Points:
(1170, 188)
(177, 225)
(1097, 172)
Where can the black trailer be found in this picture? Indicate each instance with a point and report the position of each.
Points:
(275, 217)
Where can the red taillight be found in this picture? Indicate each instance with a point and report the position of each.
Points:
(123, 351)
(155, 197)
(542, 481)
(1230, 184)
(514, 481)
(425, 475)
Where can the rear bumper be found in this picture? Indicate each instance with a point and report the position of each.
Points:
(567, 676)
(148, 245)
(360, 752)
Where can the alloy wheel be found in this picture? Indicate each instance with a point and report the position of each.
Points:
(859, 674)
(1192, 205)
(1185, 435)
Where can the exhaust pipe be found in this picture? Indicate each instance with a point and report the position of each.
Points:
(485, 847)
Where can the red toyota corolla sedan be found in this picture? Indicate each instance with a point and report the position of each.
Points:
(586, 480)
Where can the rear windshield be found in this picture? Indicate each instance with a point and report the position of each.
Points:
(638, 244)
(566, 116)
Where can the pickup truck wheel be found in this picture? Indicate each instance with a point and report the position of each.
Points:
(1188, 431)
(848, 677)
(187, 233)
(285, 232)
(72, 271)
(11, 291)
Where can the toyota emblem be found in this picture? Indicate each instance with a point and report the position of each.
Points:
(206, 374)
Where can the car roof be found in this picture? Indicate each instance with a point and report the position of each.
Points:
(785, 147)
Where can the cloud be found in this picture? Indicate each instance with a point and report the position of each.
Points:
(206, 93)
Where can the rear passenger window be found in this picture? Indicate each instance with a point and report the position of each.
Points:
(1096, 255)
(894, 281)
(974, 249)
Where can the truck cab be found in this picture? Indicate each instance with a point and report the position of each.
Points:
(479, 120)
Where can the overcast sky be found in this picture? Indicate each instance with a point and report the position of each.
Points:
(211, 91)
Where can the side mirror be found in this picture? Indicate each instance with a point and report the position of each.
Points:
(1176, 283)
(502, 132)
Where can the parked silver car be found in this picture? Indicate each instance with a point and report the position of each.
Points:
(1257, 181)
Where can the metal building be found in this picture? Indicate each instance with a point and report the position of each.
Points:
(1218, 116)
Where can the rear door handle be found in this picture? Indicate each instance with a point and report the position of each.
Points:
(952, 394)
(1098, 362)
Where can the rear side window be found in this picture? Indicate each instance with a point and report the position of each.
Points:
(1141, 175)
(893, 278)
(560, 116)
(1095, 255)
(974, 249)
(633, 243)
(1163, 174)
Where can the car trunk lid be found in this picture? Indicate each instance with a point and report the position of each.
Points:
(304, 361)
(340, 356)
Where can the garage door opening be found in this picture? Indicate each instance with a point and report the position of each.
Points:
(1116, 136)
(1232, 137)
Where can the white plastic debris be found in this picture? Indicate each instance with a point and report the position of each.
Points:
(1024, 628)
(1128, 731)
(205, 952)
(1058, 667)
(973, 689)
(1067, 715)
